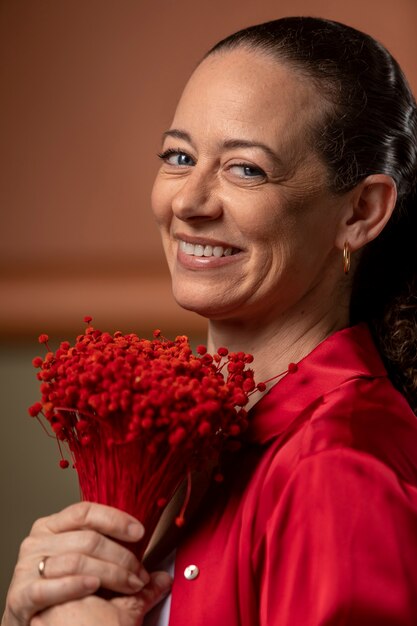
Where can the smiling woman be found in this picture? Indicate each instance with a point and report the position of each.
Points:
(238, 195)
(286, 205)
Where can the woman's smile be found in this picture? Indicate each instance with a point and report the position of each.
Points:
(205, 254)
(205, 250)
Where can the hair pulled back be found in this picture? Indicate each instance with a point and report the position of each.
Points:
(369, 127)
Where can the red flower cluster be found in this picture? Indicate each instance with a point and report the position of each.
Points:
(139, 415)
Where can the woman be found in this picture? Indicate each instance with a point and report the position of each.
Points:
(293, 149)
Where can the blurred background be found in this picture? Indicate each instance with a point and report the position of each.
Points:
(86, 89)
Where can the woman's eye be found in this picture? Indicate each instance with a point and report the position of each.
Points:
(247, 171)
(176, 158)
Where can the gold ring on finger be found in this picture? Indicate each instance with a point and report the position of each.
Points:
(41, 566)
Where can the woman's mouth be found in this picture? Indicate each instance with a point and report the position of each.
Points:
(202, 250)
(201, 255)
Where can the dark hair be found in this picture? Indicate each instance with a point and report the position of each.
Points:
(370, 127)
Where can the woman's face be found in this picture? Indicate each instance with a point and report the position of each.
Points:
(247, 222)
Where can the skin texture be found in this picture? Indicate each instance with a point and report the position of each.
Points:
(281, 294)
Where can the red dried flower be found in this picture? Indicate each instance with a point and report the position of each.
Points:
(35, 409)
(138, 416)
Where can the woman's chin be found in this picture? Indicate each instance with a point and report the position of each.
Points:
(205, 310)
(210, 308)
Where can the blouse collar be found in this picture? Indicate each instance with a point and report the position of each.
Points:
(348, 353)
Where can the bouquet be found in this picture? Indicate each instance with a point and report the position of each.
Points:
(137, 416)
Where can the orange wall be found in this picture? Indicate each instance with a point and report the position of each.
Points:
(86, 88)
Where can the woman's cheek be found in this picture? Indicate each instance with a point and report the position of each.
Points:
(160, 202)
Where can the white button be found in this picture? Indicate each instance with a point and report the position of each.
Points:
(191, 572)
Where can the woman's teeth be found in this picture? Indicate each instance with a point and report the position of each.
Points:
(200, 250)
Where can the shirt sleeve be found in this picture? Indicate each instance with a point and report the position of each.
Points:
(340, 547)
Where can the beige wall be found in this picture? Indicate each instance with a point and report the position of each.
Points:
(86, 88)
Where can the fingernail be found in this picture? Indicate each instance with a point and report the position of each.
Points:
(144, 576)
(135, 531)
(134, 582)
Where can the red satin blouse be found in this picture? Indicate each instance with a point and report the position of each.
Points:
(316, 522)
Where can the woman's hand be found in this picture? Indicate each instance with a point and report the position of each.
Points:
(120, 611)
(83, 554)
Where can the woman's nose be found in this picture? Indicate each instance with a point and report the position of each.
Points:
(197, 198)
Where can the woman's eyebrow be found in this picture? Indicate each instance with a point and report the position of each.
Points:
(177, 134)
(244, 143)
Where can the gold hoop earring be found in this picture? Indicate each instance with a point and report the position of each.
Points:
(346, 258)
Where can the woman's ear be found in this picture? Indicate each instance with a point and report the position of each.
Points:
(370, 207)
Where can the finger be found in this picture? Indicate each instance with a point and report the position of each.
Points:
(90, 515)
(112, 576)
(158, 588)
(87, 611)
(89, 543)
(41, 594)
(135, 607)
(80, 612)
